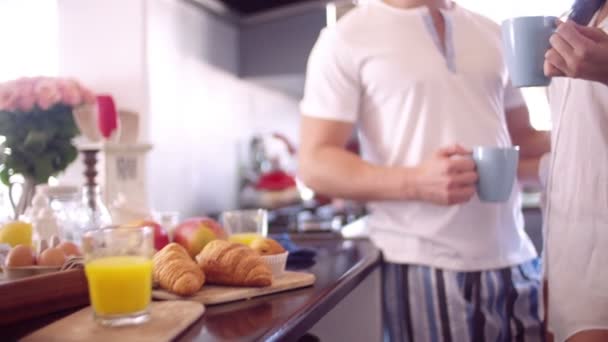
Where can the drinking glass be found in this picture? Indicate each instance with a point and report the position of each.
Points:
(244, 226)
(118, 267)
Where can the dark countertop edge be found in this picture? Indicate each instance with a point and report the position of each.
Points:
(309, 315)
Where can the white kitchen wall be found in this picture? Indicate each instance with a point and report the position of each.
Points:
(37, 57)
(200, 111)
(101, 42)
(175, 64)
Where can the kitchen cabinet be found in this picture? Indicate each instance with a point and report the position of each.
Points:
(274, 50)
(274, 44)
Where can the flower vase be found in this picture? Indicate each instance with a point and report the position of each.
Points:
(28, 189)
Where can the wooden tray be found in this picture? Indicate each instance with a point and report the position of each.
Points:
(213, 294)
(168, 320)
(39, 295)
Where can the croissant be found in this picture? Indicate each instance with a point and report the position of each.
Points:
(176, 272)
(229, 263)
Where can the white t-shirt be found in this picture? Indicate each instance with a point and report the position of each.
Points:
(382, 68)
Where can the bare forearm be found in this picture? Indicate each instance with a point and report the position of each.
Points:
(527, 171)
(534, 145)
(336, 172)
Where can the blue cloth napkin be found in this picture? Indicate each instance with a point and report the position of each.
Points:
(299, 257)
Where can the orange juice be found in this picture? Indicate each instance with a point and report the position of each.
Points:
(120, 284)
(244, 238)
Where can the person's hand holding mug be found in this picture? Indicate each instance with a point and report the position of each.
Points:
(578, 52)
(448, 177)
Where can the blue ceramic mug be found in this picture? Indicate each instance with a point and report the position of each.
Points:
(525, 42)
(497, 170)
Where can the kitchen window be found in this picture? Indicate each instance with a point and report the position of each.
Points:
(498, 11)
(28, 38)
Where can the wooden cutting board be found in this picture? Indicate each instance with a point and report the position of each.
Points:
(168, 320)
(213, 294)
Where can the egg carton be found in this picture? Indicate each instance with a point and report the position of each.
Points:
(18, 272)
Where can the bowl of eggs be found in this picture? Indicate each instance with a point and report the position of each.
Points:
(23, 261)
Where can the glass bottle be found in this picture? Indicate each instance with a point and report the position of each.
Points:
(77, 210)
(6, 212)
(70, 213)
(98, 213)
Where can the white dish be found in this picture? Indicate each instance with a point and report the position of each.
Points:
(276, 262)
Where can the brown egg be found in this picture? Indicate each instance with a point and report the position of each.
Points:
(51, 257)
(69, 248)
(20, 255)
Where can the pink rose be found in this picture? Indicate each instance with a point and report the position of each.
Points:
(88, 96)
(26, 97)
(70, 92)
(47, 93)
(23, 81)
(8, 97)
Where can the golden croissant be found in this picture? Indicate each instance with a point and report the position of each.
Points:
(176, 272)
(229, 263)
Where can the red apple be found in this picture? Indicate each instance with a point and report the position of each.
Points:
(195, 233)
(210, 223)
(161, 238)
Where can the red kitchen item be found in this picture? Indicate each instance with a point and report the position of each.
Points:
(275, 181)
(107, 115)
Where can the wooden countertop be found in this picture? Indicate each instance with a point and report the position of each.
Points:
(340, 266)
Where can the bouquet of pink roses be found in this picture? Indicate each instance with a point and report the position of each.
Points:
(38, 125)
(42, 93)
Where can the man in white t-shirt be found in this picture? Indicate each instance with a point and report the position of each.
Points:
(424, 81)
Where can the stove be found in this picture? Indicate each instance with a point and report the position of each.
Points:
(301, 219)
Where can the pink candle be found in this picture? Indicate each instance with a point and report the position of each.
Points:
(107, 115)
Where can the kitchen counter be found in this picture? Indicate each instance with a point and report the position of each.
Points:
(341, 265)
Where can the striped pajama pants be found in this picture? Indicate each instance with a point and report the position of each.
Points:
(426, 304)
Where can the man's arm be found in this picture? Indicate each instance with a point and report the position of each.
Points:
(328, 168)
(532, 143)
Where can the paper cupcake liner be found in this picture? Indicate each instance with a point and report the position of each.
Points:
(276, 263)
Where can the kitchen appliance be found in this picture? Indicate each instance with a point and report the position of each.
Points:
(314, 219)
(268, 176)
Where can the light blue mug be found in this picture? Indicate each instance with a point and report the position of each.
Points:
(525, 42)
(497, 170)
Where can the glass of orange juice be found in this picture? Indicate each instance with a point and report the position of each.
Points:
(244, 226)
(118, 266)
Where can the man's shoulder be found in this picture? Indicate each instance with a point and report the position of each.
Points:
(481, 21)
(358, 26)
(352, 24)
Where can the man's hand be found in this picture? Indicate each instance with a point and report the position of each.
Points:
(447, 178)
(578, 52)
